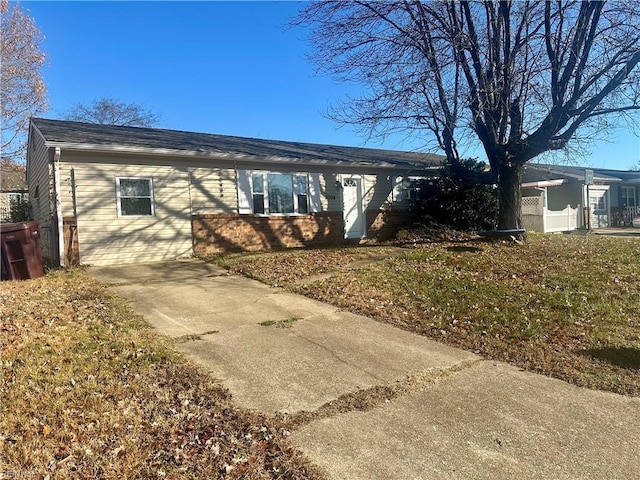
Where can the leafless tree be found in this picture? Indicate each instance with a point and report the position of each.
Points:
(112, 111)
(22, 90)
(522, 77)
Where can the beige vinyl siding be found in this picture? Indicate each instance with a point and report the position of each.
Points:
(42, 205)
(105, 238)
(378, 191)
(213, 190)
(66, 189)
(330, 196)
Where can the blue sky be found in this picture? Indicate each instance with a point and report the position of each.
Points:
(231, 68)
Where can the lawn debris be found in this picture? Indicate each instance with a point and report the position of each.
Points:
(560, 305)
(89, 390)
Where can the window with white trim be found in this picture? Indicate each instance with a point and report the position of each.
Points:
(275, 193)
(135, 196)
(597, 202)
(407, 188)
(628, 196)
(17, 197)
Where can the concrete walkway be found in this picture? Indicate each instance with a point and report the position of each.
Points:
(617, 231)
(456, 417)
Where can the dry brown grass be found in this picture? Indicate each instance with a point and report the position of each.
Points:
(89, 391)
(565, 306)
(279, 268)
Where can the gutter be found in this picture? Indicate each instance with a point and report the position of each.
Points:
(56, 181)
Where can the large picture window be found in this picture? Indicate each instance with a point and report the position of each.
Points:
(279, 193)
(135, 197)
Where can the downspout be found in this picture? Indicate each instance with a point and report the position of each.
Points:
(73, 227)
(193, 237)
(56, 182)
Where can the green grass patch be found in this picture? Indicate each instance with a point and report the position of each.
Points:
(90, 391)
(563, 305)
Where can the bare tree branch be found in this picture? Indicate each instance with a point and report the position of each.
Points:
(22, 89)
(111, 111)
(523, 77)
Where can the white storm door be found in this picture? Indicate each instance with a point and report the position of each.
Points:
(353, 213)
(599, 207)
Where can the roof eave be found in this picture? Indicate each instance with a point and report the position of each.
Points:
(231, 157)
(561, 172)
(544, 183)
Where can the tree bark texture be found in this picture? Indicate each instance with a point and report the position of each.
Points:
(509, 197)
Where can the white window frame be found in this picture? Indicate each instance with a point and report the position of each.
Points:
(119, 197)
(632, 189)
(600, 200)
(265, 193)
(404, 188)
(16, 197)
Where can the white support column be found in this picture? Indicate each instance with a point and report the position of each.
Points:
(544, 210)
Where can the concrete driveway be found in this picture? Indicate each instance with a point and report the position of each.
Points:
(457, 417)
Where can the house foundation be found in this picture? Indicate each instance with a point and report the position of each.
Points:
(219, 233)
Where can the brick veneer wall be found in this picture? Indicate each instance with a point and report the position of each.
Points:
(384, 224)
(216, 233)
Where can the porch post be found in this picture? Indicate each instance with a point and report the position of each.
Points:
(544, 210)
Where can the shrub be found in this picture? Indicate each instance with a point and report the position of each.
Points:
(19, 210)
(463, 197)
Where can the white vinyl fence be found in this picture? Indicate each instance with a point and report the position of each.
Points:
(536, 217)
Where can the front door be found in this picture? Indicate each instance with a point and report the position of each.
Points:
(353, 213)
(599, 207)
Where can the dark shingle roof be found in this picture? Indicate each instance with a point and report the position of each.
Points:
(66, 132)
(537, 172)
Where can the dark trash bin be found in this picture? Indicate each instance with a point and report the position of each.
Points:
(21, 254)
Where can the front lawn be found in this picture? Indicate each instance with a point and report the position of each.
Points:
(89, 391)
(567, 306)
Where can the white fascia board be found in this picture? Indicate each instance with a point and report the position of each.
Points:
(578, 176)
(544, 183)
(96, 148)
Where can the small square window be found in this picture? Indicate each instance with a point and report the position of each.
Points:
(135, 197)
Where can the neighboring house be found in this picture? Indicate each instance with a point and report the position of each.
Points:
(108, 195)
(554, 197)
(13, 188)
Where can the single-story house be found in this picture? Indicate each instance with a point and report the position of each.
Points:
(13, 188)
(109, 195)
(554, 197)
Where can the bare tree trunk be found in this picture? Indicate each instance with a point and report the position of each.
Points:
(509, 179)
